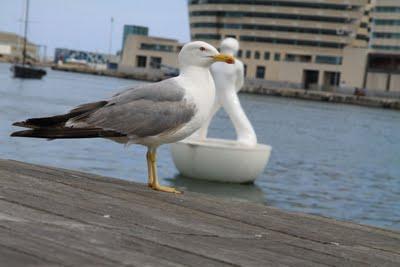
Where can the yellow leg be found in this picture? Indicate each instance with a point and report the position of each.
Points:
(149, 169)
(153, 171)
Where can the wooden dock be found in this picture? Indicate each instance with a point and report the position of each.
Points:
(56, 217)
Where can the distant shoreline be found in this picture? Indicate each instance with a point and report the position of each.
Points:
(322, 96)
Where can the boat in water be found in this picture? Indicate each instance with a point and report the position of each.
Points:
(26, 70)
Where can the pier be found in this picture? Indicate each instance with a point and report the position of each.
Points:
(58, 217)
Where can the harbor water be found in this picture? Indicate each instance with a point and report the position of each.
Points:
(334, 160)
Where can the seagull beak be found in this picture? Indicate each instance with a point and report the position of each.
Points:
(224, 58)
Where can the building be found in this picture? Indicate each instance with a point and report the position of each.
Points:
(150, 55)
(94, 60)
(383, 60)
(134, 30)
(385, 26)
(11, 46)
(302, 42)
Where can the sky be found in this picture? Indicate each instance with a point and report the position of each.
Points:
(85, 24)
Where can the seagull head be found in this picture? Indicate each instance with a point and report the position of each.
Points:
(201, 54)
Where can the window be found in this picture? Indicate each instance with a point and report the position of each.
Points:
(328, 60)
(266, 55)
(386, 35)
(297, 58)
(277, 57)
(245, 70)
(240, 52)
(201, 36)
(272, 15)
(260, 39)
(318, 5)
(157, 47)
(248, 54)
(141, 61)
(260, 72)
(155, 62)
(257, 55)
(387, 22)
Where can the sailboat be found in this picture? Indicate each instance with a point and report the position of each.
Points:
(26, 70)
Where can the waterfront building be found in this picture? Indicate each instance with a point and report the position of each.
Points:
(134, 30)
(150, 55)
(383, 61)
(302, 42)
(85, 58)
(11, 46)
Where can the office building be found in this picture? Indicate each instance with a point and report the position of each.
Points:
(294, 41)
(383, 59)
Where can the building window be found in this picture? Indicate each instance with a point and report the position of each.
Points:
(260, 72)
(157, 47)
(266, 55)
(230, 36)
(204, 36)
(141, 61)
(248, 54)
(297, 58)
(277, 57)
(328, 60)
(240, 52)
(155, 62)
(257, 55)
(245, 70)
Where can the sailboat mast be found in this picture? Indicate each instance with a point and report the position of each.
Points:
(25, 32)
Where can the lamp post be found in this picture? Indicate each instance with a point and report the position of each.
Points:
(111, 35)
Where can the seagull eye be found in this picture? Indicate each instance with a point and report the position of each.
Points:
(202, 49)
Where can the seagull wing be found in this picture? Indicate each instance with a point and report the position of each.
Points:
(147, 110)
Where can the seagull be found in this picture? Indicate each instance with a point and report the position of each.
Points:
(148, 115)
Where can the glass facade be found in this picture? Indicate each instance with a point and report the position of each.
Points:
(241, 14)
(278, 28)
(387, 47)
(260, 39)
(387, 22)
(205, 36)
(387, 9)
(386, 35)
(279, 3)
(134, 29)
(157, 47)
(328, 60)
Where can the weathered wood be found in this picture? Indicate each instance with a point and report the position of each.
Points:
(55, 217)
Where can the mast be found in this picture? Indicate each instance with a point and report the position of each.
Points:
(25, 32)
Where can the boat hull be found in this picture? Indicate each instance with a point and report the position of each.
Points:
(27, 72)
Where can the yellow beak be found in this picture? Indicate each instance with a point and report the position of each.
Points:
(224, 58)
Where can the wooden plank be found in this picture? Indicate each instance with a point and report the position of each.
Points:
(90, 216)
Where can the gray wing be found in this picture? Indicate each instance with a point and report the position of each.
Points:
(146, 110)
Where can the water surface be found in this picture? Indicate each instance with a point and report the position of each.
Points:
(334, 160)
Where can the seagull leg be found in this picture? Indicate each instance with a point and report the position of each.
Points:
(155, 185)
(149, 170)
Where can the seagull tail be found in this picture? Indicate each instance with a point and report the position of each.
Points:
(60, 120)
(66, 133)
